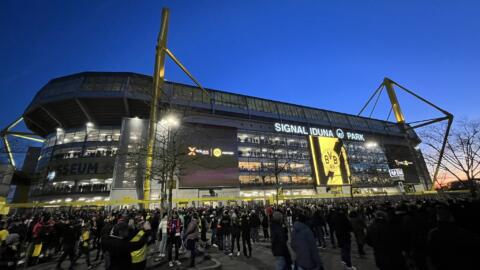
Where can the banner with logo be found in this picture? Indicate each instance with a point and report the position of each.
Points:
(330, 162)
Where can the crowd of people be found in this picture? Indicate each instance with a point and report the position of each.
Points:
(423, 234)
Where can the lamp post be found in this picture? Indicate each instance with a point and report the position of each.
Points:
(166, 125)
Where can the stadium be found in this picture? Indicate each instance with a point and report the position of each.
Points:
(95, 127)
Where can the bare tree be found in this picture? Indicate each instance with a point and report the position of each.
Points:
(461, 159)
(279, 162)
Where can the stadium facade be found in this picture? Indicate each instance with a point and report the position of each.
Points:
(95, 127)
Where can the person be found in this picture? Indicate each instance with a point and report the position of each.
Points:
(9, 252)
(265, 224)
(358, 227)
(104, 233)
(174, 227)
(204, 225)
(331, 227)
(118, 248)
(70, 233)
(246, 234)
(387, 250)
(224, 231)
(162, 236)
(191, 236)
(283, 260)
(235, 232)
(255, 225)
(449, 246)
(85, 244)
(213, 229)
(139, 256)
(3, 231)
(343, 230)
(318, 225)
(303, 243)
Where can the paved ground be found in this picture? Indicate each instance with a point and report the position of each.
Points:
(262, 259)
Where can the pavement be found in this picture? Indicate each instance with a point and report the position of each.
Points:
(262, 259)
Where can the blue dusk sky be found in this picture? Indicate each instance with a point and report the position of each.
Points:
(325, 54)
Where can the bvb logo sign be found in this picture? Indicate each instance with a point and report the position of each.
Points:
(340, 133)
(217, 152)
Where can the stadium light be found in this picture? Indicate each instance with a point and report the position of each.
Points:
(371, 144)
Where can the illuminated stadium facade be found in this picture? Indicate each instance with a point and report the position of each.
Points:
(95, 125)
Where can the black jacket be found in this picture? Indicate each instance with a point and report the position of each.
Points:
(117, 251)
(343, 227)
(303, 243)
(279, 241)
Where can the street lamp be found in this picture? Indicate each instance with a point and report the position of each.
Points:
(165, 126)
(170, 121)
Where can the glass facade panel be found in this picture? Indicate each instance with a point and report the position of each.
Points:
(183, 92)
(140, 84)
(230, 100)
(368, 164)
(201, 96)
(290, 110)
(339, 119)
(264, 157)
(103, 83)
(316, 115)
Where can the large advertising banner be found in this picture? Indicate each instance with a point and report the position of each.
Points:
(330, 162)
(211, 159)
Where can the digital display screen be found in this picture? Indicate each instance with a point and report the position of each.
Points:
(400, 156)
(211, 159)
(330, 163)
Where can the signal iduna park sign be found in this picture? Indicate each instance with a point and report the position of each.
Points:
(321, 132)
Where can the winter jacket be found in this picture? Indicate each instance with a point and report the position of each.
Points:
(303, 243)
(191, 233)
(343, 228)
(279, 241)
(118, 251)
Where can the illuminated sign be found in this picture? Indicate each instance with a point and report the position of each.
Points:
(215, 152)
(403, 162)
(320, 132)
(396, 173)
(330, 161)
(73, 169)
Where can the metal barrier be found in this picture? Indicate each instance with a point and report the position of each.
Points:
(4, 207)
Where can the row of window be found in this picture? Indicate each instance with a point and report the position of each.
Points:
(82, 186)
(188, 93)
(257, 180)
(271, 140)
(89, 152)
(103, 134)
(270, 154)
